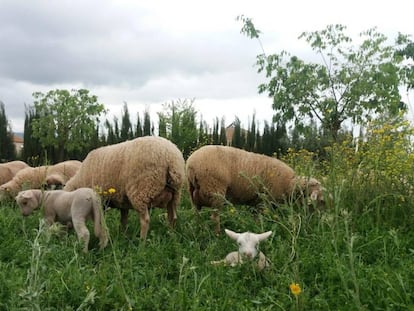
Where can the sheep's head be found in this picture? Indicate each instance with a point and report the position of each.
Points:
(310, 188)
(54, 181)
(27, 201)
(248, 242)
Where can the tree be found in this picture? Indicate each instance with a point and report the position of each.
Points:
(126, 125)
(350, 83)
(67, 120)
(7, 149)
(181, 124)
(32, 152)
(147, 129)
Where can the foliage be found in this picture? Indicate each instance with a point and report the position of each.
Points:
(355, 254)
(7, 149)
(179, 125)
(351, 83)
(67, 120)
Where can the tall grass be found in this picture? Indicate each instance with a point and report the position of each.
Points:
(356, 254)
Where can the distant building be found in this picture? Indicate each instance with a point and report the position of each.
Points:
(18, 143)
(230, 133)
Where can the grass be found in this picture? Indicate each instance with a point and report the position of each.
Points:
(343, 258)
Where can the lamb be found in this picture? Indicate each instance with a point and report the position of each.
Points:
(248, 249)
(219, 173)
(9, 169)
(37, 177)
(68, 208)
(144, 172)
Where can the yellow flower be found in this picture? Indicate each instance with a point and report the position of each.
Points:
(232, 210)
(111, 190)
(295, 289)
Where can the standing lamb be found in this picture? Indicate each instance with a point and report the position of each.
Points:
(37, 177)
(248, 249)
(68, 208)
(219, 173)
(9, 170)
(145, 172)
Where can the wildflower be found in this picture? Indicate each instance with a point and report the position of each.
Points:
(295, 289)
(111, 190)
(232, 210)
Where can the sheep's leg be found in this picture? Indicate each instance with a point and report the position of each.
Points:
(124, 218)
(172, 208)
(215, 217)
(82, 233)
(144, 219)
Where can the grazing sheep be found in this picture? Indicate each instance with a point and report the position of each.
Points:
(68, 208)
(219, 173)
(9, 169)
(37, 177)
(248, 249)
(144, 172)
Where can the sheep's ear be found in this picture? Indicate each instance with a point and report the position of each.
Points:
(232, 234)
(263, 236)
(27, 195)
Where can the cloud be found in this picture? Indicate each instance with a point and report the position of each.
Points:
(152, 52)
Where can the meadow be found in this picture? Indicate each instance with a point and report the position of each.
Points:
(357, 253)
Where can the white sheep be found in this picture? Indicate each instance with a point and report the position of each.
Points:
(248, 249)
(9, 169)
(37, 177)
(68, 208)
(219, 173)
(144, 172)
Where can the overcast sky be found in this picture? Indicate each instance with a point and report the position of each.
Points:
(147, 53)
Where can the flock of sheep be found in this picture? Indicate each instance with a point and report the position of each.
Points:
(150, 172)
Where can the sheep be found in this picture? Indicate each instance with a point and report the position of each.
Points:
(37, 177)
(248, 249)
(68, 208)
(9, 169)
(144, 172)
(219, 173)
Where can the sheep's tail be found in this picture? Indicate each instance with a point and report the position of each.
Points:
(175, 179)
(101, 230)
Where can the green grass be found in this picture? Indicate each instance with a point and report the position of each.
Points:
(355, 255)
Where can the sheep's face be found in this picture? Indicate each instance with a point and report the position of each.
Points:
(248, 242)
(27, 202)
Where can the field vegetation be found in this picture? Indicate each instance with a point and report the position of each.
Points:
(355, 254)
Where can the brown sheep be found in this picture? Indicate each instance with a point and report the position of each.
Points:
(145, 172)
(9, 169)
(219, 173)
(37, 177)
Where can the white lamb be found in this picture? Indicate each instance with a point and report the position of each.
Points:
(248, 249)
(68, 208)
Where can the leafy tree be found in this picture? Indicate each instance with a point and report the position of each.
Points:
(238, 140)
(32, 152)
(138, 129)
(7, 149)
(126, 125)
(223, 137)
(67, 120)
(147, 129)
(350, 83)
(251, 135)
(181, 124)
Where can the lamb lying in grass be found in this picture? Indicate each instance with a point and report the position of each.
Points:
(68, 208)
(248, 249)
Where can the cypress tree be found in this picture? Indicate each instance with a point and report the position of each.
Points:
(7, 149)
(126, 125)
